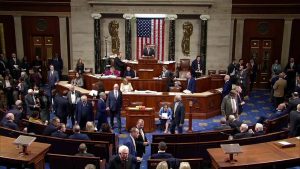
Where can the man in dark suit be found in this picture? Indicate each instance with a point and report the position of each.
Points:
(53, 78)
(223, 125)
(129, 73)
(234, 123)
(82, 151)
(84, 112)
(141, 141)
(62, 107)
(253, 73)
(119, 65)
(244, 132)
(161, 154)
(259, 130)
(291, 71)
(52, 127)
(9, 123)
(131, 141)
(101, 110)
(232, 71)
(165, 72)
(227, 86)
(114, 105)
(17, 111)
(58, 64)
(73, 98)
(60, 133)
(294, 121)
(229, 105)
(293, 102)
(197, 67)
(31, 102)
(13, 65)
(123, 160)
(191, 83)
(3, 66)
(148, 51)
(77, 135)
(178, 115)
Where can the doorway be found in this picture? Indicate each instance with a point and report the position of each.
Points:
(261, 52)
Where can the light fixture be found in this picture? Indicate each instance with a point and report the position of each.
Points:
(150, 15)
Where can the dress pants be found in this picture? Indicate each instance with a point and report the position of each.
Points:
(173, 126)
(118, 116)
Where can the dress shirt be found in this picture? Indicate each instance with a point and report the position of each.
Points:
(233, 104)
(73, 98)
(133, 142)
(7, 84)
(116, 93)
(175, 107)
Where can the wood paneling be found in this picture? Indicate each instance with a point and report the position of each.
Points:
(274, 32)
(49, 26)
(9, 34)
(295, 41)
(36, 5)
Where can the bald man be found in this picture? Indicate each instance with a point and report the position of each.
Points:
(178, 115)
(114, 104)
(84, 112)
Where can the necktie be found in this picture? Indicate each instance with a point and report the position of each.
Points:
(116, 94)
(142, 134)
(175, 107)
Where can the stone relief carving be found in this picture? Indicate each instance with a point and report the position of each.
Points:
(113, 27)
(187, 32)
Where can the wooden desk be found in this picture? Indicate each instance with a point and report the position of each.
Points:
(150, 64)
(145, 73)
(203, 84)
(258, 155)
(133, 115)
(205, 104)
(9, 154)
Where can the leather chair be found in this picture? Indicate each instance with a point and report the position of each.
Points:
(133, 104)
(184, 64)
(222, 72)
(175, 89)
(212, 72)
(182, 74)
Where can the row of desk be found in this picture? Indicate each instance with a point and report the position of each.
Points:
(259, 155)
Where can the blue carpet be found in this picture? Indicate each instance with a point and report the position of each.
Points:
(257, 105)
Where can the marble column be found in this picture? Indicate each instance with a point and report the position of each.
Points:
(97, 42)
(19, 37)
(172, 36)
(239, 38)
(287, 31)
(128, 48)
(203, 39)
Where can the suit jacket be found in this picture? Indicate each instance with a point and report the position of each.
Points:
(49, 129)
(132, 149)
(166, 74)
(62, 107)
(89, 111)
(17, 113)
(222, 127)
(29, 103)
(279, 87)
(116, 162)
(179, 113)
(59, 134)
(11, 64)
(129, 73)
(114, 104)
(57, 64)
(10, 125)
(235, 125)
(52, 79)
(2, 67)
(140, 148)
(150, 53)
(195, 66)
(85, 154)
(231, 68)
(226, 88)
(291, 74)
(161, 155)
(79, 136)
(119, 65)
(293, 104)
(294, 122)
(242, 135)
(77, 95)
(226, 107)
(191, 86)
(101, 113)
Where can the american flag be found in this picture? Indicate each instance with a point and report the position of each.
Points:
(150, 31)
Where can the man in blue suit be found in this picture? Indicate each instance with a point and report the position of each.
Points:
(161, 154)
(131, 143)
(83, 112)
(114, 104)
(227, 86)
(178, 115)
(62, 107)
(191, 83)
(129, 73)
(77, 135)
(53, 78)
(101, 110)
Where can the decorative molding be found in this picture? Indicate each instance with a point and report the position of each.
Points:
(128, 16)
(171, 17)
(96, 15)
(204, 17)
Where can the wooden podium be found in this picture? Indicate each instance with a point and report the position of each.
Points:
(134, 114)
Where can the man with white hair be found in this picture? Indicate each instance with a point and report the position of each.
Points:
(31, 102)
(84, 112)
(244, 132)
(178, 115)
(124, 160)
(259, 130)
(295, 122)
(17, 111)
(114, 104)
(9, 123)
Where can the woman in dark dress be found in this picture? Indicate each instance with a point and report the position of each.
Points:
(80, 66)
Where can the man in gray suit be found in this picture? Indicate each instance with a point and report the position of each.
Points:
(31, 102)
(229, 105)
(178, 115)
